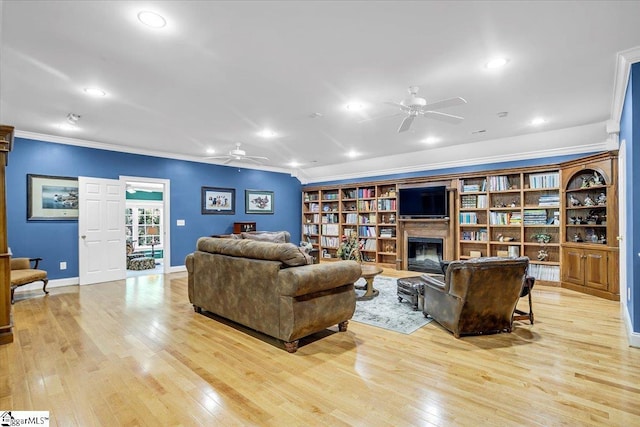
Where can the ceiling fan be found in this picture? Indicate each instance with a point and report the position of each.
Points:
(415, 106)
(239, 155)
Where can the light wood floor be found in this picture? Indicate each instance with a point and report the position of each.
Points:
(135, 353)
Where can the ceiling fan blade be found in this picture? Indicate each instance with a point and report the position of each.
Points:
(226, 162)
(397, 104)
(254, 159)
(215, 157)
(450, 118)
(257, 157)
(451, 102)
(406, 123)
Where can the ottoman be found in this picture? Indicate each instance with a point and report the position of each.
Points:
(142, 263)
(411, 289)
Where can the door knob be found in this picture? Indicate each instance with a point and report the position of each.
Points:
(83, 236)
(619, 238)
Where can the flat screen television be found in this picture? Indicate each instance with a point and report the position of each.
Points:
(423, 202)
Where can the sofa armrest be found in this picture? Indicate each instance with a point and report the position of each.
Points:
(189, 260)
(434, 283)
(307, 279)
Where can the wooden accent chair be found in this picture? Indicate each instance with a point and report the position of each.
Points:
(526, 291)
(23, 273)
(478, 296)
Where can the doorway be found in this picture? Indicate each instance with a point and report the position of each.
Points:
(147, 225)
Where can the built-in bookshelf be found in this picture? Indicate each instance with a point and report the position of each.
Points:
(512, 214)
(368, 210)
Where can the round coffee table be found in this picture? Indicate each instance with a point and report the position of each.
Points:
(368, 273)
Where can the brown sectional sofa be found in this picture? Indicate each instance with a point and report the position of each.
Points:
(270, 287)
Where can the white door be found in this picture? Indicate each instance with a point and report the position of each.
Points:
(622, 221)
(101, 228)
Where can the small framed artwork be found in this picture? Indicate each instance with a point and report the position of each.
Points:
(220, 201)
(52, 198)
(258, 202)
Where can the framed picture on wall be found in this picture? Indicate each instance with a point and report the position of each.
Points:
(220, 201)
(258, 202)
(52, 198)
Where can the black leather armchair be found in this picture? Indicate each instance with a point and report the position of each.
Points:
(478, 296)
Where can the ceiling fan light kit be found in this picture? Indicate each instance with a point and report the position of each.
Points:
(239, 155)
(416, 106)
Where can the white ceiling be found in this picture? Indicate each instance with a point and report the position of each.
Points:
(222, 71)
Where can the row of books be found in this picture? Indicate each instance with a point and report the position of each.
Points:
(366, 231)
(473, 201)
(366, 192)
(535, 217)
(480, 235)
(331, 218)
(468, 218)
(544, 180)
(387, 204)
(331, 229)
(330, 196)
(330, 242)
(310, 229)
(499, 183)
(388, 232)
(544, 272)
(505, 218)
(549, 200)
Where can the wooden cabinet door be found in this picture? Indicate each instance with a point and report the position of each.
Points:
(596, 272)
(573, 266)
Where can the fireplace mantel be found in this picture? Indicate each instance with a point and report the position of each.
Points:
(441, 228)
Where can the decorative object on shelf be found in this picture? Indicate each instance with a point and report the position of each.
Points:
(542, 238)
(597, 179)
(218, 201)
(588, 201)
(603, 239)
(543, 254)
(503, 238)
(392, 219)
(602, 199)
(574, 201)
(259, 202)
(350, 248)
(572, 220)
(514, 204)
(585, 182)
(577, 237)
(500, 205)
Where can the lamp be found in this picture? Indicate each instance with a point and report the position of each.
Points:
(153, 231)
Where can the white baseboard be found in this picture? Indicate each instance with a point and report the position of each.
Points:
(178, 269)
(633, 337)
(69, 281)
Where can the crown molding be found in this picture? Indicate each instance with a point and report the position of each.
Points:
(621, 80)
(130, 150)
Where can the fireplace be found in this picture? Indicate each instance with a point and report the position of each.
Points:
(424, 254)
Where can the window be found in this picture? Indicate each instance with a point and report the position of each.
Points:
(143, 223)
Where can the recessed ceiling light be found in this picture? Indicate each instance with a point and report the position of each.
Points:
(294, 164)
(94, 91)
(503, 114)
(151, 19)
(353, 153)
(68, 126)
(354, 106)
(497, 63)
(210, 151)
(431, 140)
(538, 121)
(267, 133)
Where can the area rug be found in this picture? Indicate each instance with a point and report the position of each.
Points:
(385, 311)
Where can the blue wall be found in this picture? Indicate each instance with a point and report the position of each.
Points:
(630, 131)
(57, 241)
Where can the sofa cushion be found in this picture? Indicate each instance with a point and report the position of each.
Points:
(287, 253)
(273, 237)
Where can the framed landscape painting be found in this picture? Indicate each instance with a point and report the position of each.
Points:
(257, 201)
(218, 201)
(51, 198)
